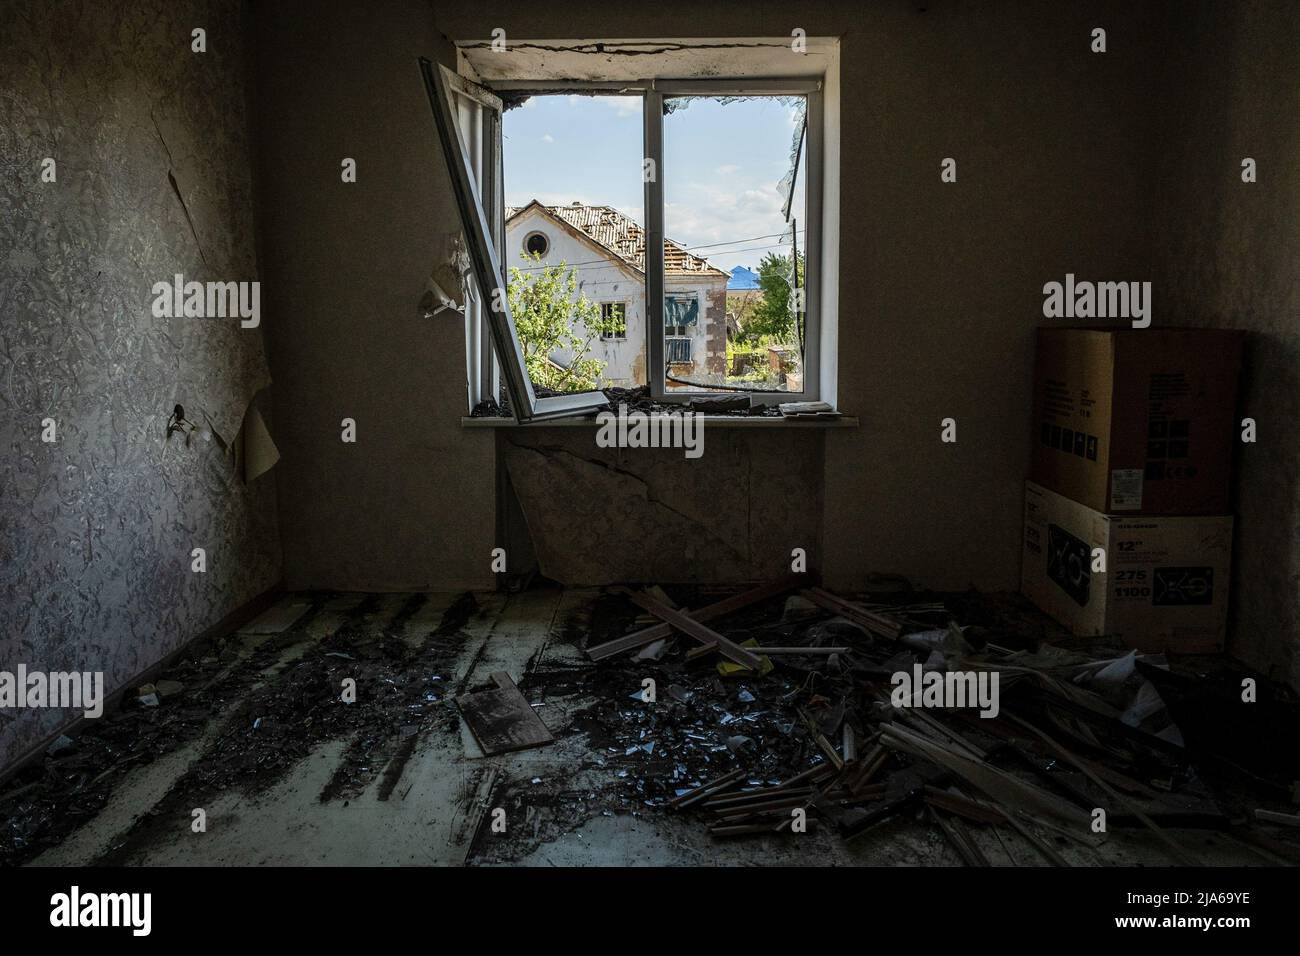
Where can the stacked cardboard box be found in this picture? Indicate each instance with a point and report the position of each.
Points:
(1127, 530)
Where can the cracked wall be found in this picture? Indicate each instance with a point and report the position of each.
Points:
(602, 516)
(152, 179)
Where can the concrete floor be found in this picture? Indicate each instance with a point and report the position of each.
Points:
(557, 798)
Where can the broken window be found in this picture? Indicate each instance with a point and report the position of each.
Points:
(487, 277)
(729, 166)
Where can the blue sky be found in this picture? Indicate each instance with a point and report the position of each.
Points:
(722, 164)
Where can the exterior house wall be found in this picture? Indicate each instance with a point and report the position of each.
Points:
(603, 277)
(606, 281)
(712, 325)
(716, 332)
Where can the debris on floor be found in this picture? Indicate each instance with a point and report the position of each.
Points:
(835, 712)
(501, 719)
(746, 715)
(258, 704)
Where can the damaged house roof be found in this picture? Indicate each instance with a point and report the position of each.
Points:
(622, 236)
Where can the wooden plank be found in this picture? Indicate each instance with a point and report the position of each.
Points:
(502, 719)
(722, 608)
(730, 801)
(961, 839)
(877, 624)
(1272, 816)
(962, 806)
(791, 651)
(1003, 787)
(467, 832)
(708, 789)
(1038, 843)
(1181, 853)
(701, 649)
(695, 629)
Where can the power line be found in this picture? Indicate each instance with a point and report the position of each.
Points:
(732, 242)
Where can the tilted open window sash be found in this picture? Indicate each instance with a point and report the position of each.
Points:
(487, 275)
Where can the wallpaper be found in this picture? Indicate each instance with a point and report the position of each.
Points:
(150, 179)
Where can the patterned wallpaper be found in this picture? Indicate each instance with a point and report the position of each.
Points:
(151, 178)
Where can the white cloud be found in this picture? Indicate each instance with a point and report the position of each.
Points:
(727, 170)
(622, 105)
(548, 138)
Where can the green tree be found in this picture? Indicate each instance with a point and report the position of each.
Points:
(772, 318)
(552, 316)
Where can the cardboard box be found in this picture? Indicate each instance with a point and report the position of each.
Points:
(1137, 421)
(1165, 580)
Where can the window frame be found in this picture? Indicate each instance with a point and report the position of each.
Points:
(653, 91)
(656, 91)
(546, 240)
(612, 303)
(482, 246)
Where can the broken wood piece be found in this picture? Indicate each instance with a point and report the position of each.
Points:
(707, 789)
(660, 595)
(729, 649)
(812, 774)
(501, 719)
(475, 813)
(887, 809)
(779, 802)
(727, 801)
(1037, 842)
(1272, 816)
(746, 829)
(962, 806)
(787, 651)
(827, 747)
(1180, 853)
(860, 774)
(848, 798)
(700, 650)
(877, 624)
(961, 839)
(708, 613)
(1003, 787)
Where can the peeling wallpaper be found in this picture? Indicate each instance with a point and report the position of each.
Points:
(153, 179)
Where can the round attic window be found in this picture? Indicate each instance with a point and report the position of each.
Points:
(536, 244)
